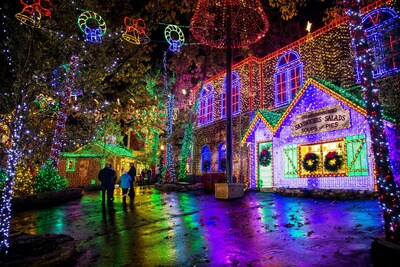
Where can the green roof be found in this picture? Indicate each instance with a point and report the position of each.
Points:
(355, 95)
(271, 116)
(99, 149)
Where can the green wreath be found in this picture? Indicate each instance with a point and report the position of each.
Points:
(264, 159)
(310, 162)
(333, 161)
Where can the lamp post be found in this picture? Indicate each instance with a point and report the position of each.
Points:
(229, 24)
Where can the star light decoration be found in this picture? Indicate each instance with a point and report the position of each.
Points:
(135, 31)
(93, 26)
(32, 13)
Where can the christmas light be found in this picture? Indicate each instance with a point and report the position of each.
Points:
(68, 86)
(85, 21)
(31, 13)
(175, 37)
(135, 32)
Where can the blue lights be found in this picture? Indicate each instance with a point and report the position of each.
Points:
(381, 27)
(206, 107)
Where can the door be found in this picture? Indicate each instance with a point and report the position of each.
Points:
(264, 163)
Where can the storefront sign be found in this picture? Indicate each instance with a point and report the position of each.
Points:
(321, 120)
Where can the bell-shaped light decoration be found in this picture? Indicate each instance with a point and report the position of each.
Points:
(33, 11)
(135, 31)
(248, 22)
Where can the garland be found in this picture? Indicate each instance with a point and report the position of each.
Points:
(333, 161)
(310, 162)
(264, 159)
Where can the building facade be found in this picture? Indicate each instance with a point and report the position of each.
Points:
(299, 118)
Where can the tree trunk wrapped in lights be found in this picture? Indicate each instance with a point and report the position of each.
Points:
(229, 24)
(63, 112)
(388, 193)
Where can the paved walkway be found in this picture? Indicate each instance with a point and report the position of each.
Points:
(195, 229)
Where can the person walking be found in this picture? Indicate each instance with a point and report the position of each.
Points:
(132, 174)
(107, 177)
(124, 183)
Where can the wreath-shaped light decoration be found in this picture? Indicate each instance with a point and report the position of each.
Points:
(310, 162)
(31, 13)
(175, 37)
(264, 159)
(206, 165)
(333, 161)
(93, 26)
(135, 31)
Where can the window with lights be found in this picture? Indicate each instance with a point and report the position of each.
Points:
(288, 78)
(382, 30)
(206, 101)
(206, 159)
(235, 96)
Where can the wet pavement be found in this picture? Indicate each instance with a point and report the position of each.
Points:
(195, 229)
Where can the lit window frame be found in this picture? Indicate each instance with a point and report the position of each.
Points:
(236, 90)
(375, 35)
(205, 113)
(284, 91)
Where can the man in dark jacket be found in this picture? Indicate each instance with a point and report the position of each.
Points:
(107, 177)
(132, 173)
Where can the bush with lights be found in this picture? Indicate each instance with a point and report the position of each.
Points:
(48, 179)
(3, 176)
(23, 181)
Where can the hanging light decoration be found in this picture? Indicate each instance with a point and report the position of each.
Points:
(135, 31)
(93, 26)
(32, 13)
(210, 26)
(175, 37)
(229, 24)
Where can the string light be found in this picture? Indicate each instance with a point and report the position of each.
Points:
(68, 87)
(388, 193)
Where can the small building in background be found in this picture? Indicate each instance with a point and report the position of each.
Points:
(82, 166)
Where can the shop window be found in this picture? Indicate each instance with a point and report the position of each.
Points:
(288, 78)
(71, 164)
(222, 157)
(383, 37)
(324, 159)
(291, 169)
(206, 159)
(206, 101)
(357, 161)
(235, 95)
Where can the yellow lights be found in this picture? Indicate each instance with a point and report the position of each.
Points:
(308, 28)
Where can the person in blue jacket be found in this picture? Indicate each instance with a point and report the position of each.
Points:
(125, 183)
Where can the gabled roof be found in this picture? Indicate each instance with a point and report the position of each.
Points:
(99, 149)
(351, 97)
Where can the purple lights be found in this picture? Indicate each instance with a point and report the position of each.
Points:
(351, 138)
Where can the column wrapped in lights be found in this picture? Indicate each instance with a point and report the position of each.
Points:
(388, 193)
(229, 24)
(62, 114)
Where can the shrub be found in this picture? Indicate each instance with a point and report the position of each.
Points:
(48, 179)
